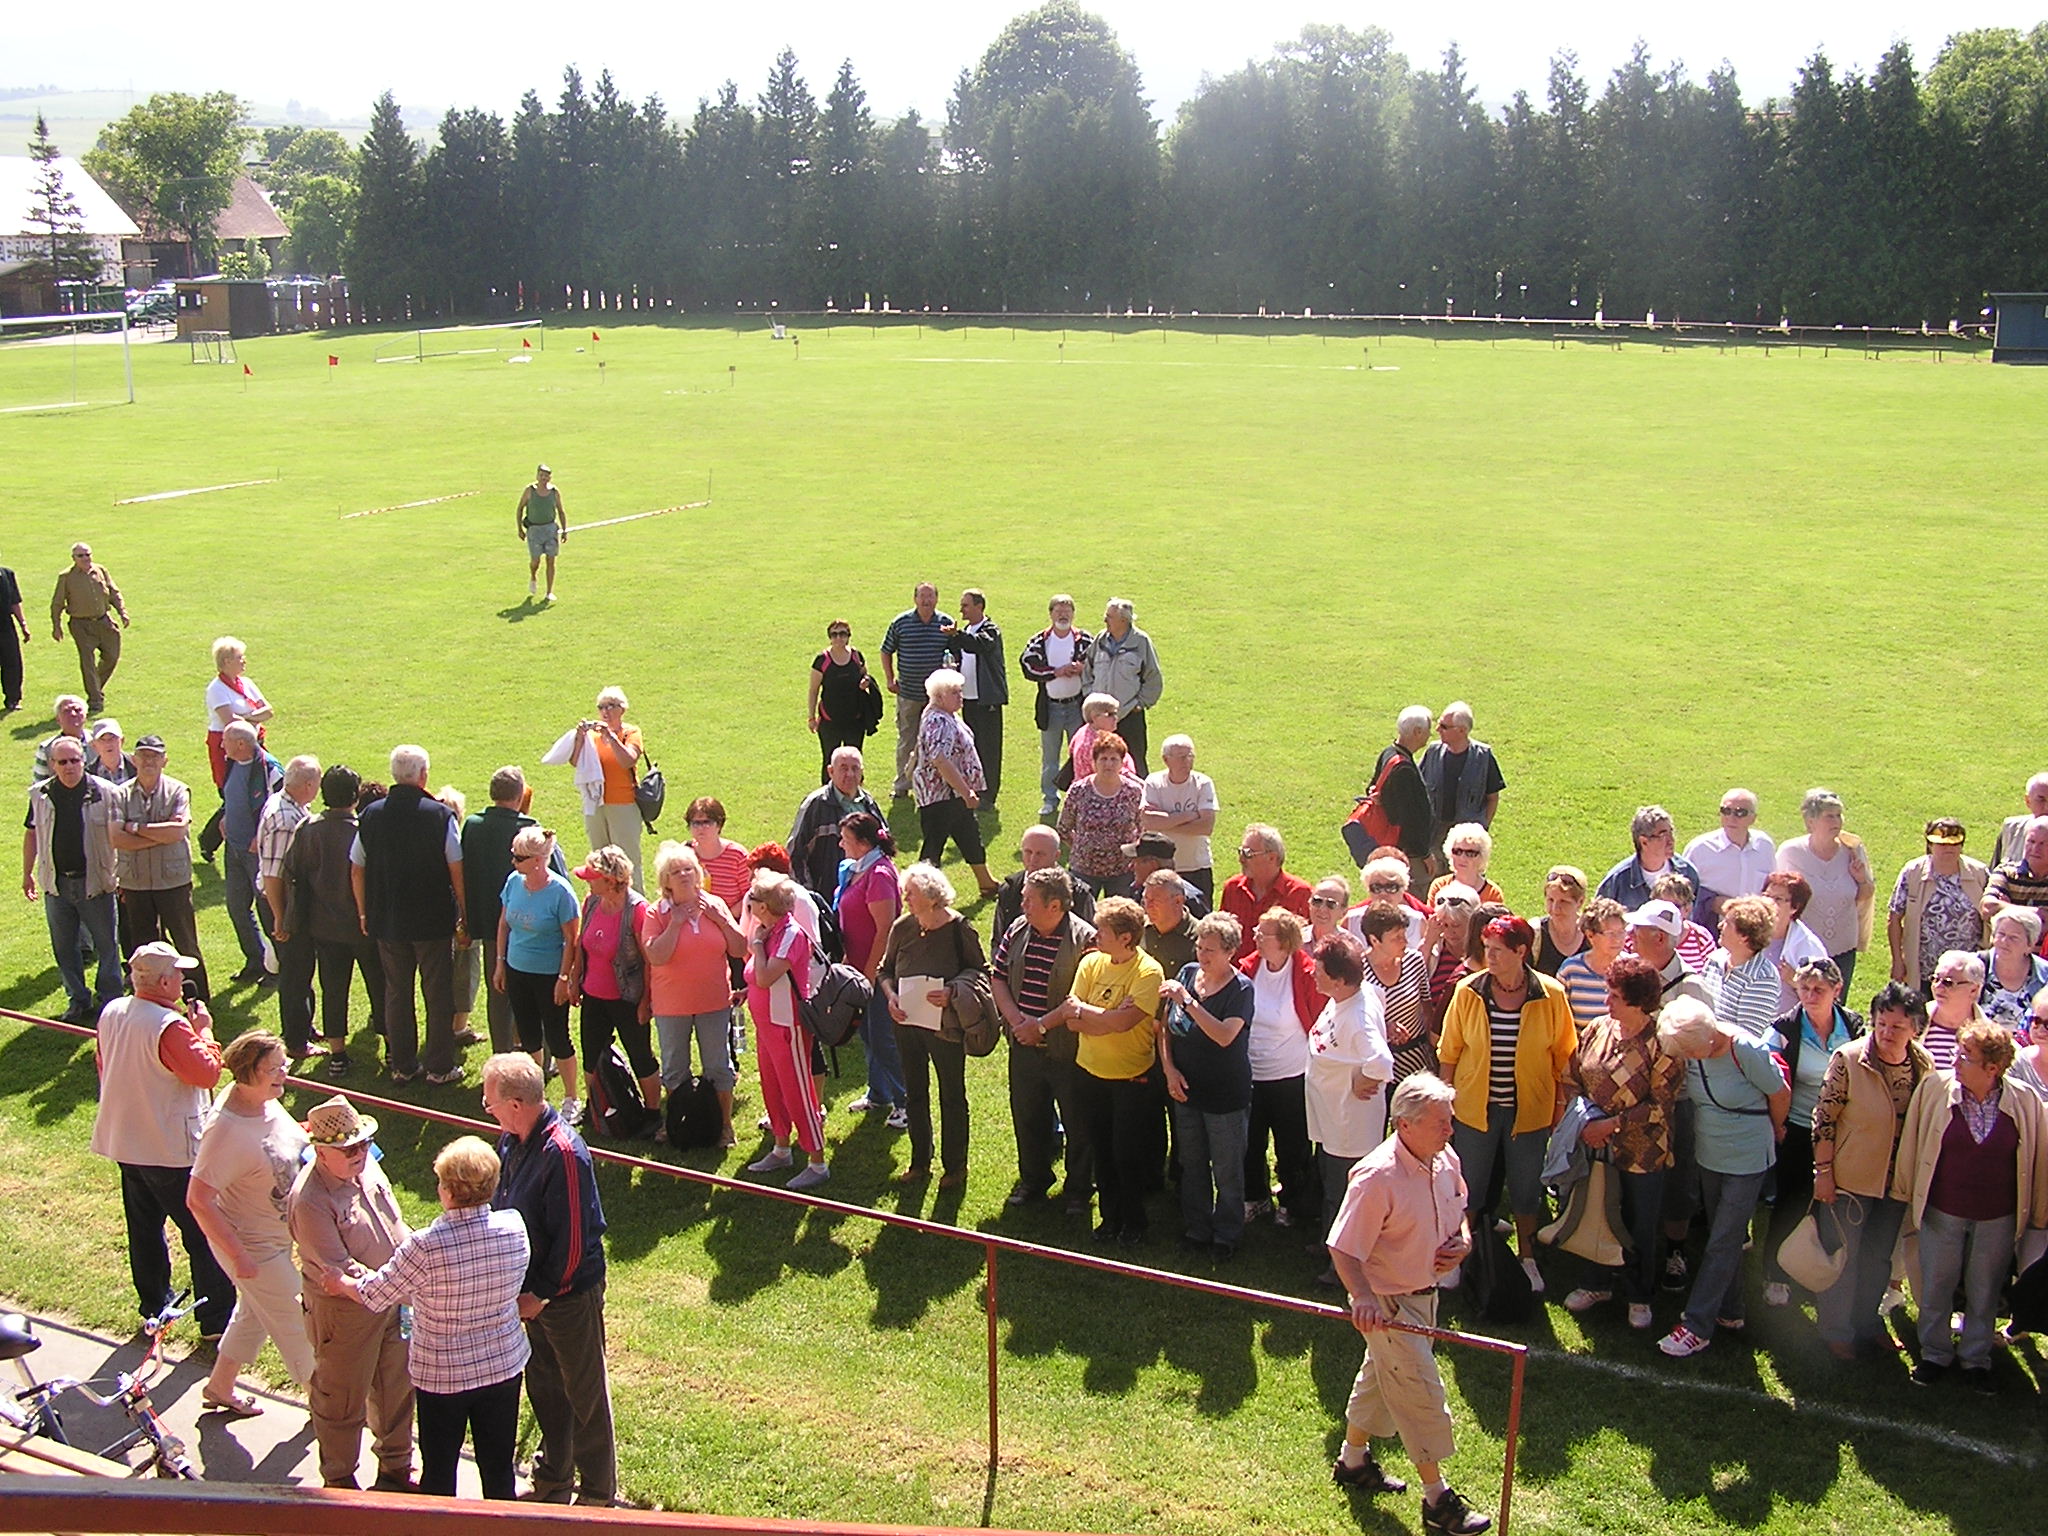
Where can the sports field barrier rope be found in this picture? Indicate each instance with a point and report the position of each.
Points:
(213, 1513)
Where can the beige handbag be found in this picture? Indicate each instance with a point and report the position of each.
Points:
(1803, 1256)
(1591, 1213)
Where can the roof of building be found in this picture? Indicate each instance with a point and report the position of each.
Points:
(249, 215)
(103, 216)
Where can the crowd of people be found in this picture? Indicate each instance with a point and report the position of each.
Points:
(1393, 1068)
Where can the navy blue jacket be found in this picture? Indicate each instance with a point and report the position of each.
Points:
(549, 1181)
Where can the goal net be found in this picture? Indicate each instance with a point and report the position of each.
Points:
(463, 341)
(62, 362)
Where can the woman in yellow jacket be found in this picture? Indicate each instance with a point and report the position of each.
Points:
(1508, 1036)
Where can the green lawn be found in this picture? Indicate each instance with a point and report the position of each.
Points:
(1653, 574)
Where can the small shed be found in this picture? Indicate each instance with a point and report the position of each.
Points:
(2021, 334)
(239, 306)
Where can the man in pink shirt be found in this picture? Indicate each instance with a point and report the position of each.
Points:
(1401, 1226)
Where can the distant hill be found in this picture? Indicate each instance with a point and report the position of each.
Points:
(76, 117)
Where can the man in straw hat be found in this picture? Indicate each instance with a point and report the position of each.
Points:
(346, 1221)
(158, 1066)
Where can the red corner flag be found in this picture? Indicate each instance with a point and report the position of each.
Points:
(525, 343)
(245, 368)
(333, 361)
(593, 335)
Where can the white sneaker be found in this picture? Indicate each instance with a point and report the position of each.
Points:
(899, 1119)
(859, 1106)
(549, 598)
(812, 1176)
(572, 1111)
(1777, 1294)
(1891, 1301)
(1535, 1277)
(1583, 1300)
(1639, 1314)
(770, 1162)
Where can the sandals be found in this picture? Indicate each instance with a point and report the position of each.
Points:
(236, 1405)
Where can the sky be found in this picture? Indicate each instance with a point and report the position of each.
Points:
(908, 52)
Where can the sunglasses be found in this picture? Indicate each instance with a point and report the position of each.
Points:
(1250, 853)
(1464, 853)
(1325, 901)
(1380, 889)
(1739, 812)
(1453, 901)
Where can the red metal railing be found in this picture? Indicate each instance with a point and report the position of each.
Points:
(990, 1243)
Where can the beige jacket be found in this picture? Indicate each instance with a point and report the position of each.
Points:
(1861, 1132)
(1920, 1146)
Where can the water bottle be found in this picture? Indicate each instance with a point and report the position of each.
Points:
(405, 1322)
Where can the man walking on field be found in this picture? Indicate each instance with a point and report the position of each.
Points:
(544, 526)
(86, 594)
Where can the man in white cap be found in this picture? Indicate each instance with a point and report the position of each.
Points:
(158, 1066)
(1654, 930)
(346, 1221)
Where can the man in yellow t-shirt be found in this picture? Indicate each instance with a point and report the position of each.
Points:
(1114, 1008)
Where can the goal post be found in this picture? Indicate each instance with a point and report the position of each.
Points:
(463, 341)
(58, 362)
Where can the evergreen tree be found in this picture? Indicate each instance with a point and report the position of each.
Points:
(387, 246)
(837, 213)
(466, 267)
(54, 212)
(788, 129)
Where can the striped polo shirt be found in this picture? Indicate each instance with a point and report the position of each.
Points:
(919, 648)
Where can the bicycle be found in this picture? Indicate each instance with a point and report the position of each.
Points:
(33, 1407)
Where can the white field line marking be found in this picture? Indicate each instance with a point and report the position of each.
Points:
(1805, 1408)
(54, 405)
(197, 490)
(634, 517)
(400, 506)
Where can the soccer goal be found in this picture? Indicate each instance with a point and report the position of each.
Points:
(464, 341)
(60, 362)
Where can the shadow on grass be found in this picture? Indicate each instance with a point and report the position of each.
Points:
(59, 1065)
(529, 608)
(910, 1271)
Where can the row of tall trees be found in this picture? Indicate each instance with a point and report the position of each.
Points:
(1335, 175)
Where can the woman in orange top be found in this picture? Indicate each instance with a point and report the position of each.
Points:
(615, 820)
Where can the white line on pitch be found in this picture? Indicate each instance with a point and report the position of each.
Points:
(54, 405)
(197, 490)
(634, 517)
(1804, 1407)
(400, 506)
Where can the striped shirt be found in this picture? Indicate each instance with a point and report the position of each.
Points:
(919, 649)
(280, 823)
(1745, 995)
(1406, 1007)
(463, 1276)
(1034, 991)
(728, 876)
(1585, 989)
(1504, 1029)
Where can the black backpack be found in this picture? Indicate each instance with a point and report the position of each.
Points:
(614, 1105)
(831, 942)
(833, 1013)
(692, 1116)
(1494, 1279)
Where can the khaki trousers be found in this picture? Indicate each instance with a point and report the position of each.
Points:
(1398, 1391)
(359, 1377)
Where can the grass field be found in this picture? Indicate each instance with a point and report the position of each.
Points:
(1654, 575)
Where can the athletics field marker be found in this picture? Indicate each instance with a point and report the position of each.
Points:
(197, 490)
(634, 517)
(400, 506)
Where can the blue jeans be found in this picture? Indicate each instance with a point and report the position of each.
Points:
(885, 1065)
(1062, 719)
(1211, 1155)
(1729, 1200)
(67, 909)
(1522, 1153)
(1944, 1240)
(238, 872)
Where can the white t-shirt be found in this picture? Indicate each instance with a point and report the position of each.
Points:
(251, 1161)
(224, 706)
(1190, 849)
(1278, 1049)
(1348, 1036)
(1058, 652)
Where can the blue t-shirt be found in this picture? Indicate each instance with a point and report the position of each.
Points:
(1219, 1076)
(1731, 1099)
(535, 919)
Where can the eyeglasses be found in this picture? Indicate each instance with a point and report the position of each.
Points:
(1453, 901)
(1465, 853)
(1951, 981)
(1249, 853)
(1326, 901)
(704, 821)
(1739, 812)
(838, 634)
(1385, 888)
(521, 858)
